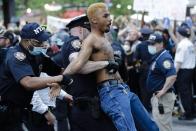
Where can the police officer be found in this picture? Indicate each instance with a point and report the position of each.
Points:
(6, 39)
(132, 42)
(185, 64)
(143, 57)
(119, 55)
(161, 77)
(20, 76)
(85, 112)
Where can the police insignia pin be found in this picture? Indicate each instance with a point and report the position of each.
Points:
(76, 44)
(167, 64)
(20, 56)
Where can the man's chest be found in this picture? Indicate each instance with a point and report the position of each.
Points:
(104, 48)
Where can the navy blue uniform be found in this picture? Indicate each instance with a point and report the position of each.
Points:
(161, 68)
(145, 57)
(84, 89)
(3, 52)
(14, 97)
(17, 66)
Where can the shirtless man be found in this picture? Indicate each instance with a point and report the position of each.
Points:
(116, 99)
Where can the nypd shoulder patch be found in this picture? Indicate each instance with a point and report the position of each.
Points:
(19, 56)
(76, 44)
(167, 64)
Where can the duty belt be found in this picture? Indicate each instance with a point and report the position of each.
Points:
(107, 83)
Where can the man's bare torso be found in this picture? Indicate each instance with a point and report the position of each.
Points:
(102, 51)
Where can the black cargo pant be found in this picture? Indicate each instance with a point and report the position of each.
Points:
(184, 87)
(83, 118)
(37, 122)
(10, 117)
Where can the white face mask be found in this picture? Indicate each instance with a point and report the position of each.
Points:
(152, 50)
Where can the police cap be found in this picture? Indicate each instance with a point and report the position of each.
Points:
(79, 21)
(184, 31)
(146, 31)
(155, 38)
(34, 31)
(8, 35)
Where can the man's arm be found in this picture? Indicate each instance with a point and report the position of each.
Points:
(172, 35)
(34, 83)
(90, 66)
(81, 60)
(178, 65)
(168, 84)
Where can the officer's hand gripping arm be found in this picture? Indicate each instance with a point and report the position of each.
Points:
(112, 67)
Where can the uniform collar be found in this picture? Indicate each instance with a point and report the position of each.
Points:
(157, 54)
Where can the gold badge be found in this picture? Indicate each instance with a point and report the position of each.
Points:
(76, 44)
(20, 56)
(167, 64)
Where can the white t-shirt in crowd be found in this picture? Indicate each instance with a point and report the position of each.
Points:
(185, 54)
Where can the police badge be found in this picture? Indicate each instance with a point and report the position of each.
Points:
(20, 56)
(167, 64)
(76, 44)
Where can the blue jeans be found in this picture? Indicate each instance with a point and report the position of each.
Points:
(122, 106)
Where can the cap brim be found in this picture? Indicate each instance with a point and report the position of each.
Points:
(44, 37)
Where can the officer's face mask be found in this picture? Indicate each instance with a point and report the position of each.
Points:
(152, 49)
(39, 50)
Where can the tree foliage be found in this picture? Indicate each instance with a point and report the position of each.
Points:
(39, 4)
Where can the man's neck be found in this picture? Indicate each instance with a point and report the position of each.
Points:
(97, 32)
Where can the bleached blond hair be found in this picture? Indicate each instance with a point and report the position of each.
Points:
(93, 8)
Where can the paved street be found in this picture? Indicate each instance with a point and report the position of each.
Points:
(184, 125)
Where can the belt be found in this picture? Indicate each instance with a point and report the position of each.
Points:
(107, 83)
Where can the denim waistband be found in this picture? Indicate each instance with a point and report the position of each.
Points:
(107, 83)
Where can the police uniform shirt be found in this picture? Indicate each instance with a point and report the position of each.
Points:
(83, 85)
(18, 64)
(142, 53)
(161, 68)
(185, 54)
